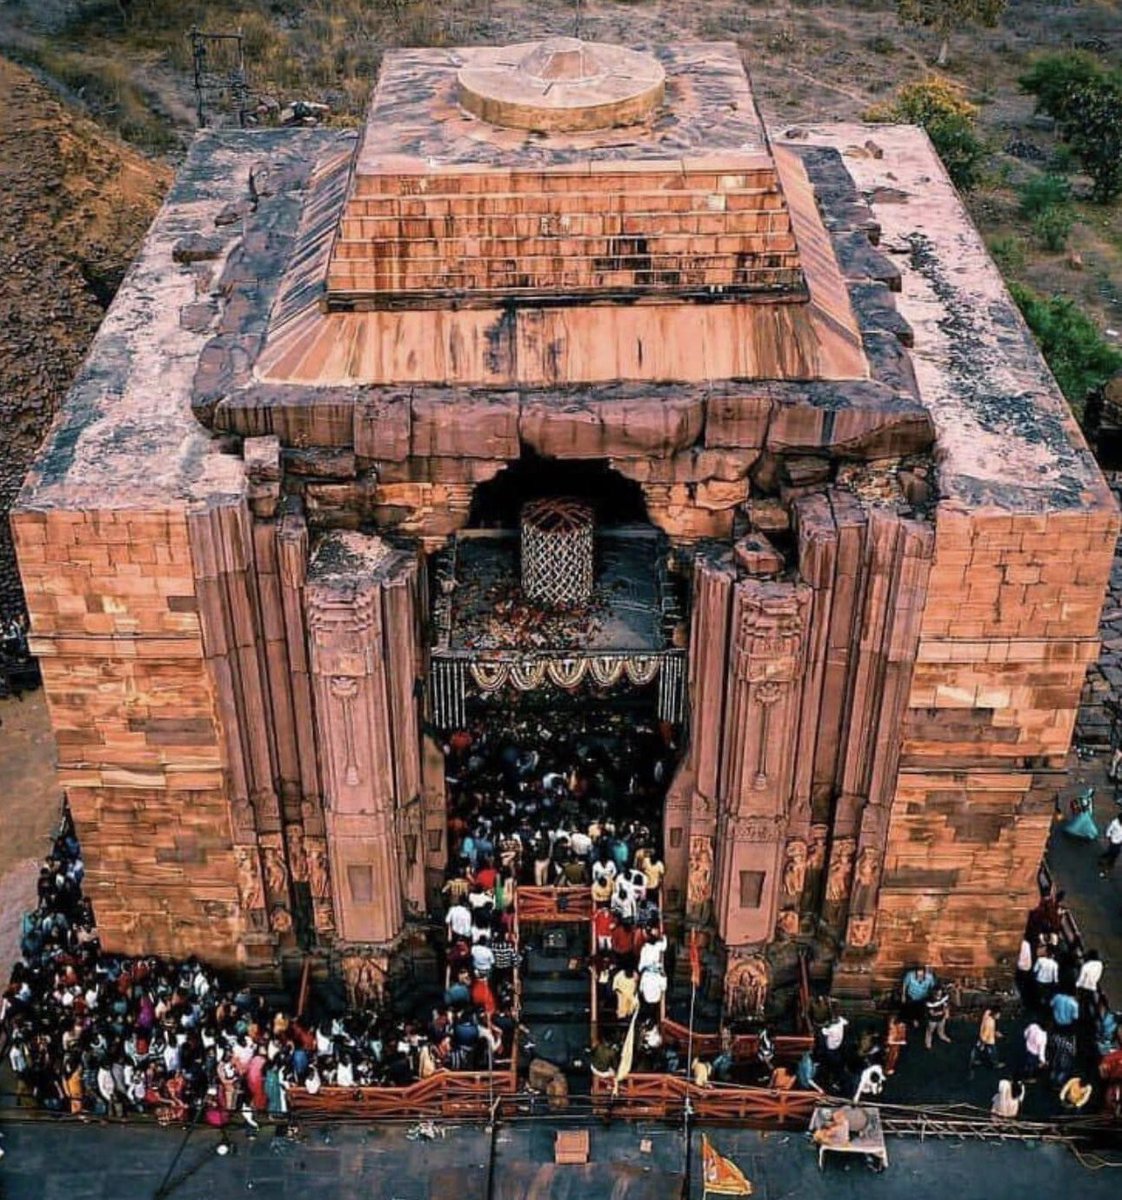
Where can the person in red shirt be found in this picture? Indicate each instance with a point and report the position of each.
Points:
(483, 997)
(486, 876)
(623, 939)
(603, 922)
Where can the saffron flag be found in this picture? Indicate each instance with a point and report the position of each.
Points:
(720, 1175)
(695, 961)
(626, 1057)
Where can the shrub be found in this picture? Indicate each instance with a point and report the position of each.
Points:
(1042, 193)
(1078, 355)
(1009, 253)
(948, 117)
(1052, 226)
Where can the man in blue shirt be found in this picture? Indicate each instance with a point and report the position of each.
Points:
(1065, 1009)
(919, 983)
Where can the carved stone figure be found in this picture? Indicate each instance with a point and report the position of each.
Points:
(318, 879)
(699, 885)
(816, 848)
(868, 864)
(276, 872)
(860, 932)
(241, 816)
(250, 889)
(746, 984)
(788, 923)
(841, 865)
(365, 978)
(281, 919)
(794, 868)
(297, 859)
(324, 917)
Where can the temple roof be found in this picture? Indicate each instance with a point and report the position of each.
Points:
(542, 172)
(195, 325)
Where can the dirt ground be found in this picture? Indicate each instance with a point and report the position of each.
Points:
(30, 798)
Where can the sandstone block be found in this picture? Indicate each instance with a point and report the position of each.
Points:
(628, 427)
(383, 426)
(456, 424)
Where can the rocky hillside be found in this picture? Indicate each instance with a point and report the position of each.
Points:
(75, 206)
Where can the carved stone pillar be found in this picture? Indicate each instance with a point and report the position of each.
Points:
(689, 817)
(355, 694)
(762, 703)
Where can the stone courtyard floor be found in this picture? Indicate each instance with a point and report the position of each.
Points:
(629, 1162)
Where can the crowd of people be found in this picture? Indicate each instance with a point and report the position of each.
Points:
(531, 805)
(93, 1034)
(540, 801)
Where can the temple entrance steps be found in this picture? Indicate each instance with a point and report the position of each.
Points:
(556, 1003)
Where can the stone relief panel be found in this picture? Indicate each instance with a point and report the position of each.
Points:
(365, 977)
(859, 933)
(297, 858)
(794, 868)
(763, 693)
(251, 887)
(746, 986)
(699, 885)
(841, 868)
(788, 923)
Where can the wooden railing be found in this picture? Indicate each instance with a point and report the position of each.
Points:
(554, 904)
(658, 1097)
(445, 1094)
(745, 1046)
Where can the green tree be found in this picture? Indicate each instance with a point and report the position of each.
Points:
(946, 16)
(1054, 77)
(1086, 103)
(1093, 129)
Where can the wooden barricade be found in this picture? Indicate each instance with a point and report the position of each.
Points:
(554, 904)
(659, 1097)
(789, 1048)
(445, 1094)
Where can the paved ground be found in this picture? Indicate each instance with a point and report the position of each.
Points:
(53, 1162)
(1096, 903)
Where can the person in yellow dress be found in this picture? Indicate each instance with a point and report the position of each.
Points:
(625, 984)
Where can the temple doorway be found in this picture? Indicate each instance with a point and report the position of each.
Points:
(558, 697)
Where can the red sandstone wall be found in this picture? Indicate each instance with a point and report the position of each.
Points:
(1010, 622)
(115, 623)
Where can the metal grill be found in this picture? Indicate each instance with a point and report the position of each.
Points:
(557, 551)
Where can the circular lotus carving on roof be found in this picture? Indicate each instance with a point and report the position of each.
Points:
(562, 85)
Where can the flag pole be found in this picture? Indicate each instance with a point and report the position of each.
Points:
(687, 1111)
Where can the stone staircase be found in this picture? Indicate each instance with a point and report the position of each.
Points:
(556, 994)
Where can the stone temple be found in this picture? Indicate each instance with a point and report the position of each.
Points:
(813, 499)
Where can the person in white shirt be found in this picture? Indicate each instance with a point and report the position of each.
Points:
(458, 920)
(1046, 973)
(1087, 986)
(1036, 1049)
(1090, 973)
(650, 956)
(482, 959)
(871, 1083)
(1023, 974)
(652, 988)
(1113, 847)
